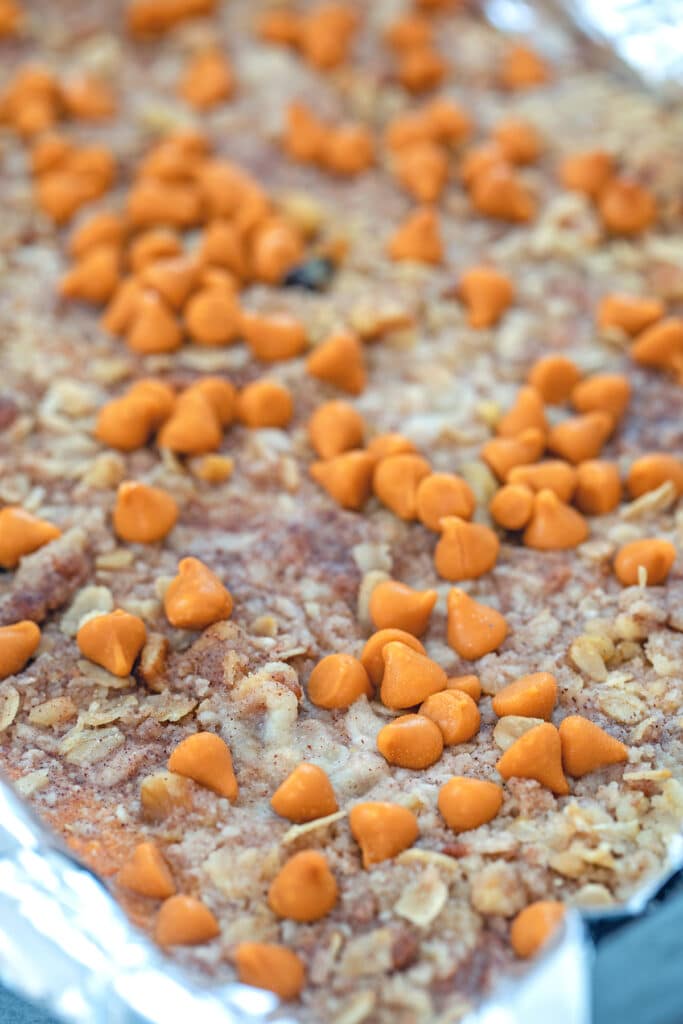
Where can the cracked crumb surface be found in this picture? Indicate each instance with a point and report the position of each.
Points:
(427, 933)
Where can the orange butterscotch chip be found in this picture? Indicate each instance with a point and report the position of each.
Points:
(280, 26)
(487, 293)
(626, 207)
(273, 336)
(407, 32)
(337, 681)
(152, 327)
(468, 684)
(147, 873)
(532, 696)
(604, 392)
(371, 655)
(651, 558)
(479, 160)
(215, 469)
(326, 34)
(396, 605)
(421, 69)
(221, 394)
(304, 889)
(554, 377)
(500, 193)
(305, 136)
(443, 494)
(466, 803)
(347, 478)
(306, 794)
(554, 526)
(382, 830)
(523, 68)
(212, 316)
(553, 475)
(113, 641)
(272, 967)
(173, 278)
(518, 139)
(100, 229)
(50, 151)
(206, 759)
(587, 172)
(528, 411)
(222, 245)
(628, 312)
(152, 202)
(207, 80)
(348, 149)
(87, 98)
(124, 423)
(512, 506)
(60, 193)
(196, 598)
(537, 754)
(143, 514)
(455, 713)
(275, 247)
(465, 550)
(383, 445)
(448, 123)
(18, 642)
(410, 741)
(652, 470)
(418, 238)
(474, 629)
(502, 454)
(193, 427)
(335, 427)
(661, 345)
(534, 926)
(265, 403)
(152, 17)
(151, 246)
(21, 534)
(339, 361)
(581, 437)
(185, 921)
(396, 480)
(586, 747)
(11, 18)
(407, 130)
(422, 169)
(598, 487)
(409, 676)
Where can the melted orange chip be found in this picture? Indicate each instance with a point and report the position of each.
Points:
(410, 741)
(265, 403)
(272, 967)
(18, 643)
(512, 506)
(532, 696)
(339, 361)
(586, 747)
(337, 681)
(196, 598)
(334, 428)
(537, 754)
(371, 656)
(21, 534)
(382, 830)
(527, 412)
(468, 684)
(554, 475)
(113, 641)
(629, 313)
(582, 437)
(455, 713)
(207, 80)
(185, 921)
(554, 377)
(598, 487)
(501, 194)
(604, 392)
(422, 170)
(418, 238)
(554, 526)
(587, 172)
(304, 889)
(465, 550)
(474, 629)
(487, 293)
(443, 494)
(272, 337)
(306, 794)
(396, 480)
(347, 478)
(652, 557)
(147, 873)
(626, 207)
(534, 926)
(502, 454)
(660, 346)
(143, 514)
(193, 427)
(468, 803)
(523, 68)
(409, 676)
(206, 759)
(396, 605)
(652, 470)
(518, 139)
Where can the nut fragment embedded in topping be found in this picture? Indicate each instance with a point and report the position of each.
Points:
(509, 728)
(84, 747)
(53, 712)
(152, 664)
(9, 706)
(422, 901)
(163, 793)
